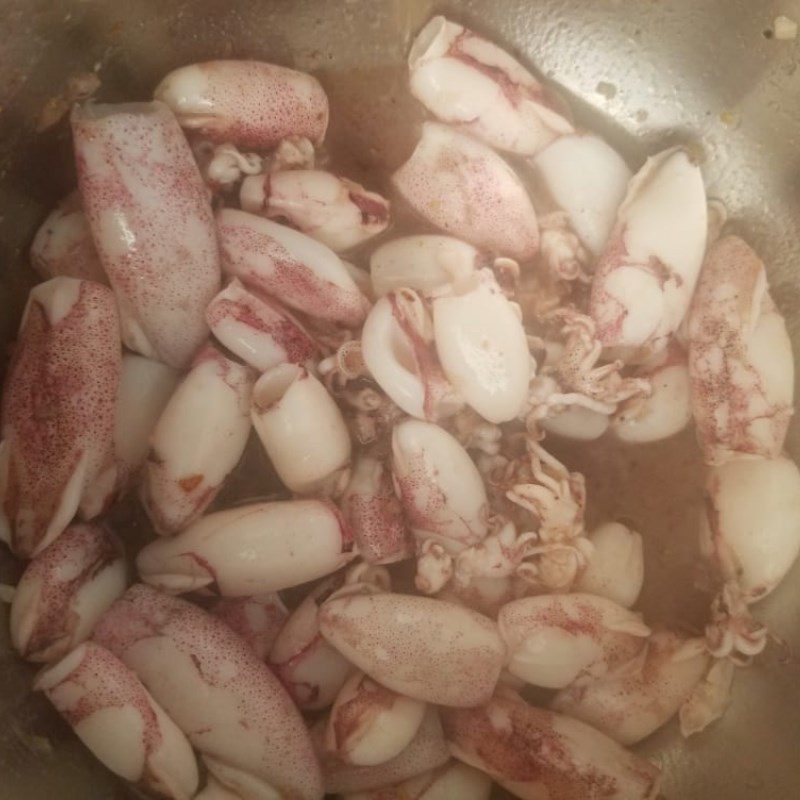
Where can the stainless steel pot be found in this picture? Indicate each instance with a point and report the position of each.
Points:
(643, 72)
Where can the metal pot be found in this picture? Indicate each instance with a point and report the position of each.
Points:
(642, 73)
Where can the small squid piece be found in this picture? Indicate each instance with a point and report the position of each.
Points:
(423, 262)
(616, 565)
(645, 278)
(257, 619)
(474, 85)
(199, 438)
(151, 220)
(335, 211)
(482, 346)
(119, 721)
(426, 751)
(311, 670)
(463, 187)
(740, 357)
(750, 527)
(396, 345)
(145, 387)
(65, 590)
(57, 449)
(667, 410)
(250, 549)
(421, 647)
(554, 640)
(440, 487)
(585, 178)
(63, 245)
(453, 780)
(630, 707)
(370, 724)
(375, 515)
(249, 103)
(295, 269)
(231, 707)
(536, 754)
(578, 423)
(300, 426)
(256, 329)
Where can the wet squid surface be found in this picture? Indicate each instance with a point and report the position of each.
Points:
(353, 418)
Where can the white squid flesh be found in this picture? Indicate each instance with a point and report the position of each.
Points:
(463, 187)
(199, 438)
(250, 549)
(256, 329)
(295, 269)
(474, 85)
(151, 220)
(57, 449)
(300, 426)
(65, 590)
(335, 211)
(249, 103)
(555, 640)
(453, 780)
(231, 707)
(645, 278)
(257, 619)
(120, 722)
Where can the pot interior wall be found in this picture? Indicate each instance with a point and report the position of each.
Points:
(645, 74)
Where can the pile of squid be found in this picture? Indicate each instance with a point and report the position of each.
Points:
(194, 297)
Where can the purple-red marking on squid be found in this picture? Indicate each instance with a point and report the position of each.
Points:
(375, 515)
(229, 704)
(249, 103)
(117, 719)
(63, 245)
(535, 753)
(466, 189)
(258, 620)
(65, 590)
(740, 357)
(257, 329)
(292, 267)
(58, 410)
(151, 220)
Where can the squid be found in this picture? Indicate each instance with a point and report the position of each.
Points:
(300, 426)
(740, 357)
(231, 707)
(420, 647)
(65, 590)
(370, 724)
(464, 188)
(257, 330)
(198, 439)
(471, 83)
(644, 280)
(258, 619)
(115, 716)
(558, 639)
(63, 245)
(58, 411)
(293, 268)
(534, 753)
(152, 224)
(449, 781)
(426, 751)
(250, 549)
(335, 211)
(249, 103)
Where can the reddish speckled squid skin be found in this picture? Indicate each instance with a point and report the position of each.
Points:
(539, 755)
(58, 408)
(226, 700)
(150, 216)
